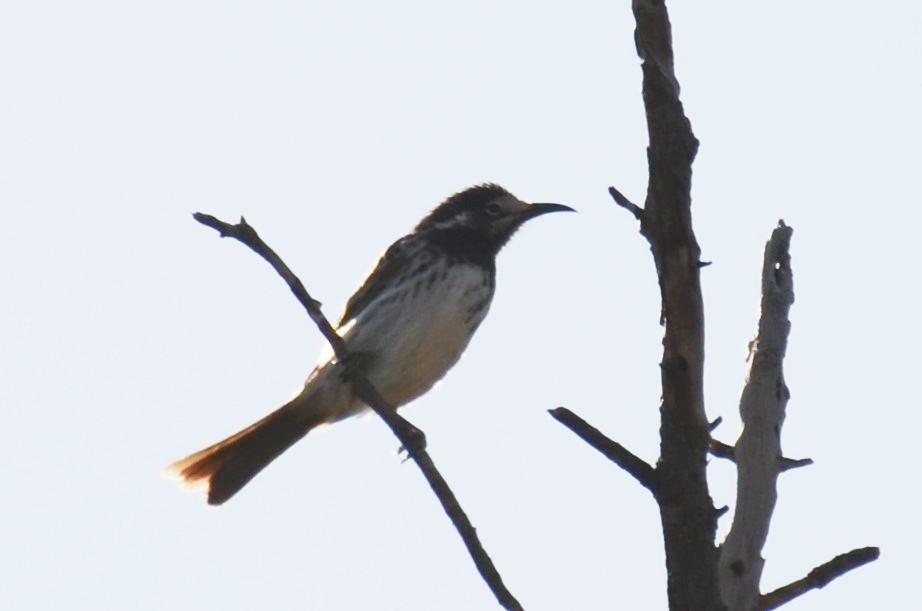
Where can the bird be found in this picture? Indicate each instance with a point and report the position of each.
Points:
(406, 326)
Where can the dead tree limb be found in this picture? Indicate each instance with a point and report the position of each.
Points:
(700, 576)
(612, 450)
(757, 453)
(819, 577)
(758, 450)
(679, 482)
(687, 513)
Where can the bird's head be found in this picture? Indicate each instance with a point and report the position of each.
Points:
(487, 211)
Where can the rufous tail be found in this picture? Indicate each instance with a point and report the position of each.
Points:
(227, 466)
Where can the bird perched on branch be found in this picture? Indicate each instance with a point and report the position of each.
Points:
(407, 325)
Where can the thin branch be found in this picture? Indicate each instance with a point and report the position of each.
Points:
(819, 577)
(721, 450)
(786, 464)
(411, 438)
(612, 450)
(625, 203)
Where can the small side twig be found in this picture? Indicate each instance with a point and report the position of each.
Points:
(612, 450)
(819, 577)
(786, 464)
(411, 438)
(721, 450)
(625, 203)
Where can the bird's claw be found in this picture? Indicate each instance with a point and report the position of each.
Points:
(414, 441)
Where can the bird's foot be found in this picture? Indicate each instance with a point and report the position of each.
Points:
(414, 440)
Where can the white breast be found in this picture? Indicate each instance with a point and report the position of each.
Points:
(410, 342)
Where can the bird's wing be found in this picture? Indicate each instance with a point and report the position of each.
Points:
(391, 264)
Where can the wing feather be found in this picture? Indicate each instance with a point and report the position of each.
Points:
(393, 263)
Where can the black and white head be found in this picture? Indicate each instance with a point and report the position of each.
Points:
(486, 213)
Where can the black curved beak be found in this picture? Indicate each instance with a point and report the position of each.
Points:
(534, 210)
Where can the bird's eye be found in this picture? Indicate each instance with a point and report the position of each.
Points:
(493, 209)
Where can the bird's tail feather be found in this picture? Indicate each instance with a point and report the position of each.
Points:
(227, 466)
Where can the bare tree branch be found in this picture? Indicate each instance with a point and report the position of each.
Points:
(758, 455)
(411, 438)
(612, 450)
(819, 577)
(688, 515)
(757, 452)
(721, 450)
(701, 577)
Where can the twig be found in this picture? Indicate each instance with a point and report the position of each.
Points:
(721, 450)
(411, 438)
(612, 450)
(819, 577)
(625, 203)
(786, 464)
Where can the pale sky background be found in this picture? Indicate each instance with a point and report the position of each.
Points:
(131, 336)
